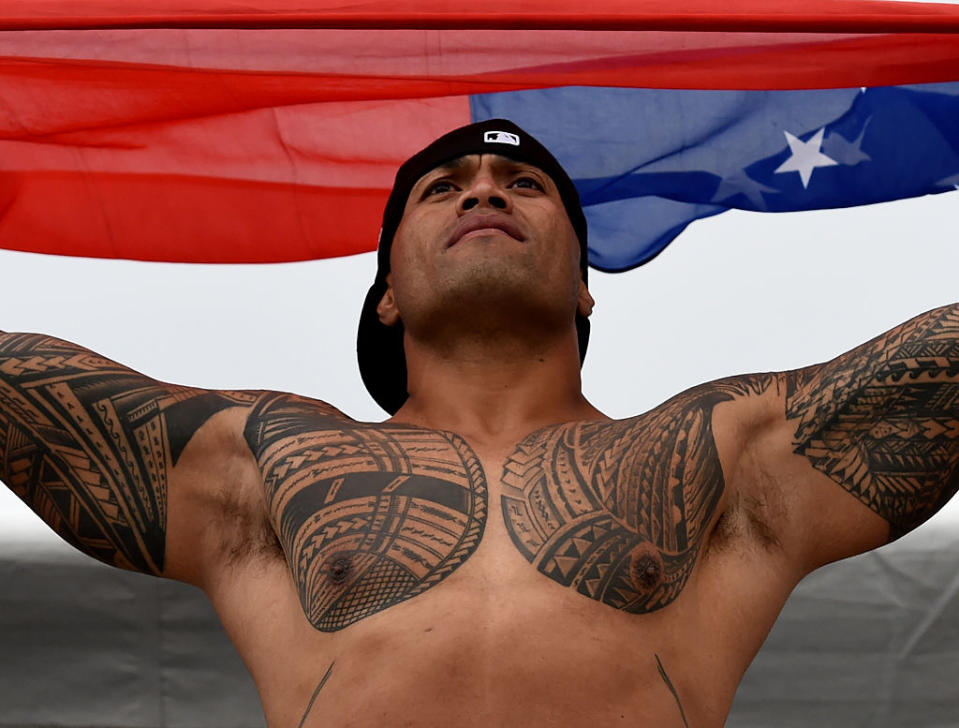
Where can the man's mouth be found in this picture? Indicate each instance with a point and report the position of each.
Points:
(484, 225)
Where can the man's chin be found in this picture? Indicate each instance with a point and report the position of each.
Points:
(483, 276)
(497, 290)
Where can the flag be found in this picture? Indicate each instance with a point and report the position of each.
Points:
(208, 132)
(656, 160)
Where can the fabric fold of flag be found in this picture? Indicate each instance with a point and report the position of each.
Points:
(210, 132)
(807, 16)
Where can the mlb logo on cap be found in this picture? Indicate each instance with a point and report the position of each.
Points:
(500, 137)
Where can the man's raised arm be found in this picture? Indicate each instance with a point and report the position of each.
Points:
(89, 445)
(882, 421)
(879, 423)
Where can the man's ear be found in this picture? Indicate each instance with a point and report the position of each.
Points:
(386, 308)
(585, 301)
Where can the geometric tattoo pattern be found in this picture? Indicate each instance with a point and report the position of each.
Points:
(619, 511)
(87, 444)
(883, 420)
(368, 515)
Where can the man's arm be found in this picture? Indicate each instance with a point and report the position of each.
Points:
(90, 445)
(882, 421)
(879, 423)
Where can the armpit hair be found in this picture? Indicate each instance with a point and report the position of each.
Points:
(747, 521)
(246, 532)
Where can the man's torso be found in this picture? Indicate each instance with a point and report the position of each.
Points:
(592, 571)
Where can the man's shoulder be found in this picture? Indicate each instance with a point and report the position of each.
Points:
(270, 403)
(299, 438)
(291, 413)
(687, 415)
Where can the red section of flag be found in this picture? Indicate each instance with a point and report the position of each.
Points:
(209, 180)
(263, 145)
(816, 16)
(185, 219)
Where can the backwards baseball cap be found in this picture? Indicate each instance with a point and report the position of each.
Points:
(379, 348)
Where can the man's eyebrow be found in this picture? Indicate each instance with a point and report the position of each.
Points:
(515, 164)
(449, 166)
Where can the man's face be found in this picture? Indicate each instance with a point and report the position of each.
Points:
(484, 231)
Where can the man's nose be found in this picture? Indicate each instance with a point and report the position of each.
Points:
(484, 191)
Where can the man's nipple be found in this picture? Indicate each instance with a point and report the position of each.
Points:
(646, 568)
(339, 567)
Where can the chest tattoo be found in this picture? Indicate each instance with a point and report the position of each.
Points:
(368, 515)
(618, 511)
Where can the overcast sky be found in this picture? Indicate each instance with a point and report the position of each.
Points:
(735, 293)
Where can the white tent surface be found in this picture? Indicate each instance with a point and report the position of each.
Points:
(872, 641)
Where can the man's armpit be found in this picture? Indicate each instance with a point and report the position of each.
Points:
(88, 445)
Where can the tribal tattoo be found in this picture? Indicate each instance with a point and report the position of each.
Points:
(368, 515)
(316, 694)
(883, 420)
(619, 511)
(672, 689)
(88, 445)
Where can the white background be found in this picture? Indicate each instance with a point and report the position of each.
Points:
(735, 293)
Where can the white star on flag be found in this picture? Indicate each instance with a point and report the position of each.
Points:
(740, 183)
(805, 156)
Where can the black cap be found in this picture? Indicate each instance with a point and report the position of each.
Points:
(379, 348)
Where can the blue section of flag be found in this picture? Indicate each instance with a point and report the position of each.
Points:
(648, 162)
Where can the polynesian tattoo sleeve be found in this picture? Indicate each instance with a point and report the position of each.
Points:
(883, 420)
(88, 444)
(368, 515)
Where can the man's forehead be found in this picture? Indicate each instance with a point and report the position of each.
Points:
(466, 160)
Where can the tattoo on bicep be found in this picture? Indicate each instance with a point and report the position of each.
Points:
(87, 443)
(669, 684)
(619, 511)
(883, 420)
(368, 516)
(316, 693)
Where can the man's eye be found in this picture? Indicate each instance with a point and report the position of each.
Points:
(438, 188)
(527, 183)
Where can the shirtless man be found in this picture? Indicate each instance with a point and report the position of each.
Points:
(499, 552)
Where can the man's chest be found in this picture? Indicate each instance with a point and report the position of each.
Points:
(372, 515)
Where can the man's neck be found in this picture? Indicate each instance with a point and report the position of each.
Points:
(491, 392)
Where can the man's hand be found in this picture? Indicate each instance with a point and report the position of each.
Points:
(89, 445)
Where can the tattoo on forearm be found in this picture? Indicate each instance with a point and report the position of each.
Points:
(669, 684)
(883, 420)
(88, 445)
(319, 687)
(368, 515)
(619, 511)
